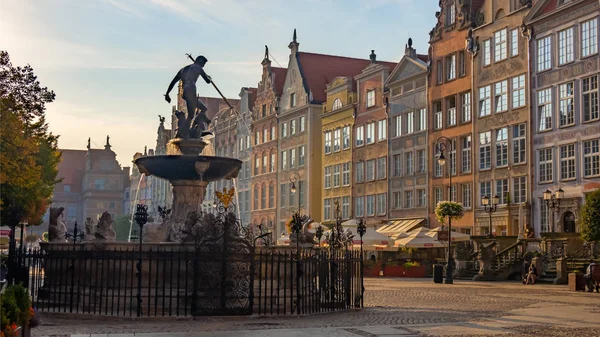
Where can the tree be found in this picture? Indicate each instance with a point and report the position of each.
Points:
(590, 217)
(448, 209)
(28, 151)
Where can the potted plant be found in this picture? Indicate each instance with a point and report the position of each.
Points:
(16, 311)
(448, 210)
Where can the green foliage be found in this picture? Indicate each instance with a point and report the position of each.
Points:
(448, 209)
(590, 217)
(28, 151)
(121, 227)
(16, 306)
(410, 264)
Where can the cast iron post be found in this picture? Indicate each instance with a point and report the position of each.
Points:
(141, 217)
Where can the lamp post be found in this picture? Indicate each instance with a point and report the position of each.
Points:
(141, 217)
(553, 202)
(296, 228)
(361, 228)
(490, 208)
(295, 178)
(441, 145)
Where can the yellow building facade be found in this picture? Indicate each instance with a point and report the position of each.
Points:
(337, 122)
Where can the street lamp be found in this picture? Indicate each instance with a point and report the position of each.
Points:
(485, 202)
(361, 228)
(553, 202)
(295, 178)
(141, 217)
(441, 145)
(297, 228)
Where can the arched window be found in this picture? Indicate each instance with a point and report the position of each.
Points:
(273, 161)
(263, 196)
(273, 133)
(336, 104)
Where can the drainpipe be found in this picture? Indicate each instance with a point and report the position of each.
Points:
(527, 33)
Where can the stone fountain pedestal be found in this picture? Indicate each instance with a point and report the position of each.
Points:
(189, 173)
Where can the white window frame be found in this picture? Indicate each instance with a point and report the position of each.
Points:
(465, 104)
(337, 140)
(452, 116)
(502, 147)
(409, 162)
(421, 161)
(371, 205)
(410, 122)
(381, 168)
(398, 125)
(565, 46)
(501, 190)
(544, 53)
(451, 67)
(591, 158)
(566, 104)
(466, 196)
(590, 100)
(485, 189)
(328, 142)
(501, 96)
(381, 203)
(327, 183)
(500, 45)
(589, 37)
(370, 170)
(518, 91)
(370, 139)
(485, 150)
(514, 48)
(346, 137)
(397, 165)
(546, 165)
(466, 145)
(346, 174)
(409, 199)
(370, 98)
(567, 162)
(545, 109)
(337, 179)
(487, 52)
(359, 206)
(360, 136)
(520, 189)
(519, 143)
(360, 172)
(382, 130)
(485, 108)
(421, 119)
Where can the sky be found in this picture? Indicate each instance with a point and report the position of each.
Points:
(110, 61)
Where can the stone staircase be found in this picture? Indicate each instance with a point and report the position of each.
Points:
(506, 265)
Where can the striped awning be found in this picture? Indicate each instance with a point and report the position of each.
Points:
(397, 227)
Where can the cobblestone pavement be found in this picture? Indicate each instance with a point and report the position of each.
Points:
(418, 305)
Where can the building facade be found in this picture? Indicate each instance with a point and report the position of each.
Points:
(450, 105)
(370, 152)
(337, 122)
(565, 67)
(408, 145)
(265, 165)
(501, 119)
(244, 153)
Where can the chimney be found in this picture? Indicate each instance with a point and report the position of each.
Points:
(409, 50)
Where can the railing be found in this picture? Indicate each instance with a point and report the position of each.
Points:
(80, 279)
(508, 256)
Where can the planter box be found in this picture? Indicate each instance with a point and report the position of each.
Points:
(400, 271)
(576, 282)
(372, 272)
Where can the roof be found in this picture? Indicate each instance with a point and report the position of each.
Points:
(279, 80)
(424, 58)
(71, 169)
(318, 70)
(252, 96)
(214, 104)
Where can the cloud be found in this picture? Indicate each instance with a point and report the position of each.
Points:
(126, 8)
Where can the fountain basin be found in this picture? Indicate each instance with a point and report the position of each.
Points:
(189, 167)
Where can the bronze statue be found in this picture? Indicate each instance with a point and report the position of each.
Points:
(189, 75)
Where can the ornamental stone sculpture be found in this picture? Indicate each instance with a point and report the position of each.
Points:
(104, 230)
(56, 228)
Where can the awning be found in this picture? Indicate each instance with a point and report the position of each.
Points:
(397, 227)
(419, 239)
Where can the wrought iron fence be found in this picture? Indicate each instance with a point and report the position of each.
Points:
(86, 279)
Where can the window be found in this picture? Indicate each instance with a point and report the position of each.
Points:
(397, 200)
(450, 14)
(263, 197)
(565, 46)
(345, 174)
(241, 144)
(514, 42)
(589, 37)
(284, 130)
(360, 172)
(410, 122)
(421, 198)
(440, 72)
(346, 137)
(545, 163)
(484, 101)
(292, 197)
(502, 147)
(461, 63)
(408, 199)
(451, 67)
(518, 91)
(437, 167)
(359, 206)
(381, 166)
(591, 158)
(381, 204)
(437, 115)
(272, 162)
(466, 154)
(265, 135)
(292, 100)
(398, 126)
(381, 130)
(544, 217)
(345, 207)
(566, 113)
(453, 193)
(520, 189)
(283, 188)
(360, 136)
(292, 158)
(452, 116)
(292, 127)
(67, 188)
(327, 177)
(501, 96)
(336, 104)
(545, 109)
(248, 142)
(500, 45)
(567, 162)
(327, 142)
(370, 98)
(465, 103)
(544, 53)
(301, 155)
(255, 203)
(590, 98)
(437, 195)
(337, 140)
(502, 190)
(371, 170)
(397, 165)
(452, 156)
(265, 163)
(271, 196)
(370, 133)
(370, 205)
(519, 145)
(264, 111)
(302, 123)
(408, 156)
(284, 160)
(336, 175)
(421, 119)
(327, 209)
(485, 189)
(257, 138)
(466, 196)
(487, 52)
(485, 150)
(421, 161)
